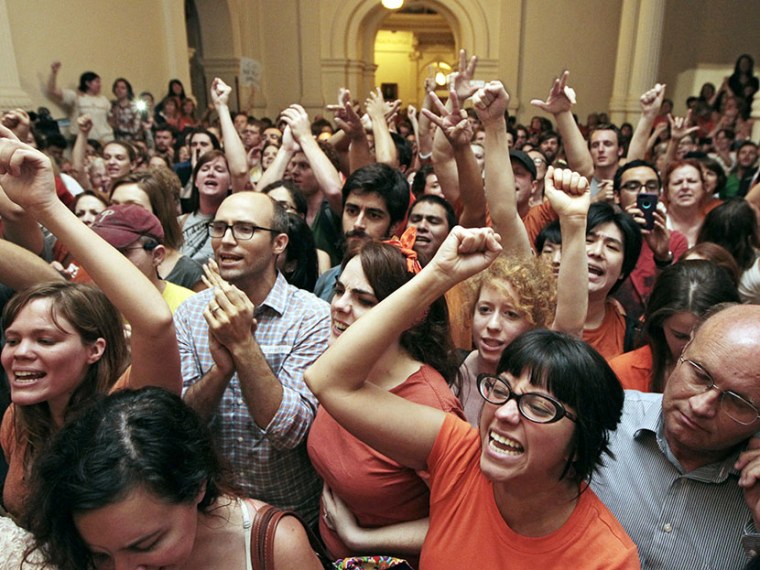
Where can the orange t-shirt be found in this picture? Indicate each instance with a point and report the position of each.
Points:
(15, 490)
(468, 531)
(536, 219)
(609, 338)
(634, 369)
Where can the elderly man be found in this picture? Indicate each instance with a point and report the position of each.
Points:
(674, 484)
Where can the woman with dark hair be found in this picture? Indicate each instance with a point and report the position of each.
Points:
(513, 494)
(87, 206)
(216, 174)
(157, 190)
(682, 295)
(86, 100)
(743, 83)
(298, 263)
(120, 158)
(714, 176)
(124, 117)
(171, 113)
(64, 342)
(135, 482)
(290, 197)
(417, 364)
(212, 183)
(733, 225)
(175, 90)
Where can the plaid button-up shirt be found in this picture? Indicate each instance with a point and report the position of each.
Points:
(271, 464)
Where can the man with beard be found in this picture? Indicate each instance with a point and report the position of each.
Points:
(375, 200)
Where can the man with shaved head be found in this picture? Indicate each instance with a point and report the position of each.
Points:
(675, 483)
(245, 344)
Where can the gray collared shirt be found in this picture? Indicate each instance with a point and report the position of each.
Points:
(677, 519)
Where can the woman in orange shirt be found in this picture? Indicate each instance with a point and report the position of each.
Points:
(513, 493)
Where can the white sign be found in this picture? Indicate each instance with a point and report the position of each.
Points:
(250, 72)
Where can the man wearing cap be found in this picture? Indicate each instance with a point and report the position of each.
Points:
(138, 234)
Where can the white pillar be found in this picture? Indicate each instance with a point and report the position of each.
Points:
(11, 93)
(638, 56)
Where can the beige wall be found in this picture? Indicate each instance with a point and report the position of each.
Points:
(704, 46)
(579, 36)
(138, 39)
(309, 48)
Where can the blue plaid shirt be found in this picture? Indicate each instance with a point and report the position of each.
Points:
(271, 464)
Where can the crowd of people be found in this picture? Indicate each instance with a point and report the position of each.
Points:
(429, 335)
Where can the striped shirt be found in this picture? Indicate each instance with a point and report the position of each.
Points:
(677, 519)
(271, 464)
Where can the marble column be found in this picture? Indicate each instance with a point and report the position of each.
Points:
(638, 56)
(12, 95)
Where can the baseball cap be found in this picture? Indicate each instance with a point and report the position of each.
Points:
(123, 224)
(525, 160)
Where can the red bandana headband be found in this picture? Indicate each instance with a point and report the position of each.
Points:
(405, 245)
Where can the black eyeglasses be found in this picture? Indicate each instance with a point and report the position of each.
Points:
(735, 406)
(635, 186)
(535, 407)
(240, 230)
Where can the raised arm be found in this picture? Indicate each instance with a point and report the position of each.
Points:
(20, 268)
(27, 176)
(234, 151)
(18, 121)
(276, 170)
(425, 136)
(560, 104)
(79, 153)
(650, 103)
(570, 196)
(444, 161)
(458, 132)
(403, 430)
(53, 91)
(325, 173)
(385, 149)
(350, 123)
(679, 128)
(490, 104)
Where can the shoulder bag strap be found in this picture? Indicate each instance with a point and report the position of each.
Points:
(264, 528)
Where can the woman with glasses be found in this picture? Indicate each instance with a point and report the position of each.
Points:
(513, 493)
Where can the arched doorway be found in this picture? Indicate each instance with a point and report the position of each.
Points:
(411, 44)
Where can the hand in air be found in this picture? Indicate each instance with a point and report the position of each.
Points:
(561, 96)
(568, 192)
(454, 124)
